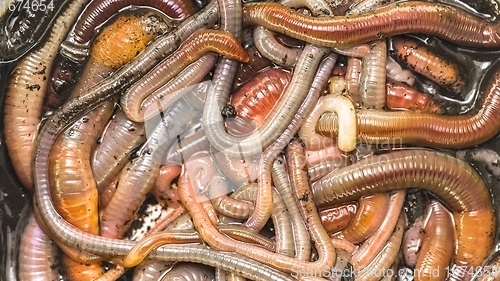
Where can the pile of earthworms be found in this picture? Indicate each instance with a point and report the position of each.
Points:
(299, 140)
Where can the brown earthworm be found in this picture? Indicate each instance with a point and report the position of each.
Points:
(429, 129)
(162, 190)
(115, 147)
(301, 237)
(430, 63)
(317, 7)
(403, 97)
(106, 192)
(449, 178)
(374, 244)
(178, 86)
(344, 245)
(359, 51)
(74, 191)
(24, 96)
(443, 21)
(370, 214)
(439, 243)
(270, 48)
(37, 255)
(216, 240)
(384, 260)
(228, 206)
(337, 218)
(329, 153)
(200, 42)
(373, 76)
(239, 170)
(281, 219)
(352, 76)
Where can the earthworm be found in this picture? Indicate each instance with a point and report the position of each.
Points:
(270, 48)
(184, 82)
(190, 272)
(449, 178)
(276, 121)
(186, 146)
(329, 153)
(396, 73)
(340, 67)
(443, 21)
(248, 70)
(322, 169)
(429, 63)
(281, 219)
(352, 76)
(37, 254)
(385, 258)
(412, 241)
(150, 271)
(64, 76)
(370, 214)
(73, 186)
(374, 244)
(106, 192)
(359, 51)
(400, 96)
(266, 160)
(373, 76)
(295, 157)
(255, 99)
(216, 240)
(438, 245)
(22, 30)
(430, 129)
(345, 109)
(340, 269)
(317, 7)
(239, 170)
(192, 49)
(24, 96)
(337, 218)
(115, 147)
(344, 245)
(140, 174)
(248, 236)
(226, 205)
(99, 12)
(301, 237)
(74, 191)
(162, 190)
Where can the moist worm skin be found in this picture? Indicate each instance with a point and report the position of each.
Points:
(400, 96)
(247, 71)
(452, 180)
(111, 154)
(429, 129)
(429, 63)
(24, 96)
(445, 22)
(337, 218)
(370, 214)
(200, 42)
(99, 11)
(255, 99)
(437, 248)
(37, 255)
(189, 272)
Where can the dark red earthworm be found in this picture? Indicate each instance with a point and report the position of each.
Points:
(247, 71)
(400, 96)
(454, 181)
(443, 21)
